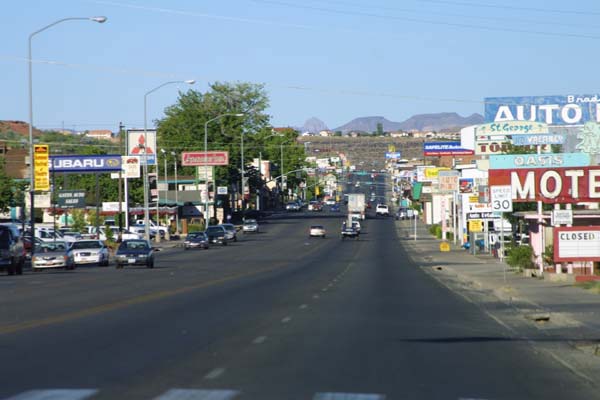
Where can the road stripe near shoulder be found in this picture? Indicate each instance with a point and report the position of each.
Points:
(197, 394)
(348, 396)
(55, 394)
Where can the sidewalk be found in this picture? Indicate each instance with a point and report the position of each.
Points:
(567, 306)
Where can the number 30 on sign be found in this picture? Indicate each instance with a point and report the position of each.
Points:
(501, 197)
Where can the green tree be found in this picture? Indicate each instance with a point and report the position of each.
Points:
(379, 131)
(78, 220)
(7, 187)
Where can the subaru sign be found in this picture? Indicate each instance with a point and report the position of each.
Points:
(86, 163)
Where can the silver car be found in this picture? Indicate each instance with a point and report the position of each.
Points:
(88, 252)
(250, 225)
(230, 232)
(51, 255)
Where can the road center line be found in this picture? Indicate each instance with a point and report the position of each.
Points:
(286, 320)
(303, 306)
(215, 373)
(259, 340)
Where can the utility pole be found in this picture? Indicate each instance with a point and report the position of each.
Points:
(120, 238)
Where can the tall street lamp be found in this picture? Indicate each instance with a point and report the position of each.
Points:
(176, 195)
(145, 158)
(30, 83)
(206, 216)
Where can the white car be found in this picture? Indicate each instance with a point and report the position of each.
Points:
(317, 231)
(88, 252)
(50, 255)
(382, 209)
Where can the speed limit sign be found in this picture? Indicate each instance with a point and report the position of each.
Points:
(501, 197)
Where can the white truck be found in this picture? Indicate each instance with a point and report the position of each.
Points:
(153, 228)
(356, 204)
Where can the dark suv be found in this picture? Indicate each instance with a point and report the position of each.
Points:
(12, 253)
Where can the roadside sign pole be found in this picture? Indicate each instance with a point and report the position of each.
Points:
(415, 215)
(502, 243)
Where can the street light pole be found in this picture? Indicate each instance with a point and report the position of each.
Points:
(176, 195)
(145, 158)
(206, 215)
(100, 20)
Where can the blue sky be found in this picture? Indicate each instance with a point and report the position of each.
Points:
(335, 60)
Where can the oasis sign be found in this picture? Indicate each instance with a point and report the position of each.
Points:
(86, 163)
(556, 185)
(552, 110)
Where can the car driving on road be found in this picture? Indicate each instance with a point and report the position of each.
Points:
(230, 232)
(250, 225)
(317, 231)
(382, 209)
(88, 252)
(216, 234)
(51, 255)
(135, 252)
(195, 240)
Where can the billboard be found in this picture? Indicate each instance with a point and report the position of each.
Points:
(393, 155)
(71, 198)
(140, 142)
(553, 160)
(445, 149)
(200, 158)
(560, 110)
(577, 243)
(550, 185)
(41, 173)
(86, 163)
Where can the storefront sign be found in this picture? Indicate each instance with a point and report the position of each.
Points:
(561, 217)
(557, 185)
(142, 143)
(394, 155)
(563, 110)
(534, 140)
(200, 158)
(539, 160)
(490, 147)
(511, 128)
(445, 149)
(475, 225)
(71, 198)
(86, 163)
(577, 244)
(482, 215)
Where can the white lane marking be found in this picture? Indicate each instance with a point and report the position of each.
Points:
(286, 320)
(215, 373)
(303, 306)
(259, 340)
(55, 394)
(324, 290)
(197, 394)
(348, 396)
(315, 296)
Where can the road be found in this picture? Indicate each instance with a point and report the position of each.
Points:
(275, 316)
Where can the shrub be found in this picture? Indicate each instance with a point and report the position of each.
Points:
(520, 257)
(195, 227)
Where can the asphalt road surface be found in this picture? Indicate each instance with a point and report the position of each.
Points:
(275, 316)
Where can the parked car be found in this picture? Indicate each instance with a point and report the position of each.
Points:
(51, 255)
(12, 251)
(230, 232)
(317, 231)
(125, 235)
(330, 202)
(216, 234)
(153, 227)
(382, 209)
(335, 208)
(250, 225)
(88, 252)
(195, 240)
(401, 214)
(135, 252)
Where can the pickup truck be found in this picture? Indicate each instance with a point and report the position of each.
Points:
(153, 227)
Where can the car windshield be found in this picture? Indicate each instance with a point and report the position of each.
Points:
(250, 222)
(134, 245)
(47, 247)
(228, 227)
(317, 227)
(91, 244)
(215, 229)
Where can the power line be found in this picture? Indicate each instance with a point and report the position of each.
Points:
(431, 22)
(505, 7)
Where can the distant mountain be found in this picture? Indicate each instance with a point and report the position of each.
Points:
(314, 125)
(368, 124)
(439, 122)
(422, 122)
